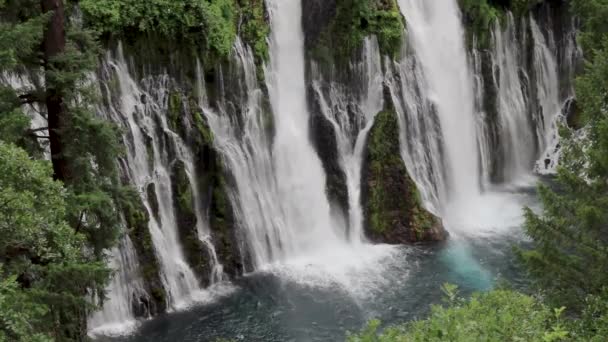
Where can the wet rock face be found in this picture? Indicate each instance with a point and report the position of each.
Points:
(316, 15)
(195, 250)
(323, 137)
(153, 301)
(391, 203)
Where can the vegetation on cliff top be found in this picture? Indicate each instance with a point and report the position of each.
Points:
(202, 25)
(357, 19)
(481, 15)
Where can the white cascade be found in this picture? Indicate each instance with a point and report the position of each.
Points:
(436, 36)
(117, 315)
(517, 138)
(351, 129)
(306, 222)
(244, 145)
(548, 92)
(141, 111)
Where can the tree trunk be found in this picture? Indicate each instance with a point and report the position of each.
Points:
(54, 45)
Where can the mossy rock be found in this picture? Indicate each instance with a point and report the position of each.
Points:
(195, 251)
(392, 206)
(137, 219)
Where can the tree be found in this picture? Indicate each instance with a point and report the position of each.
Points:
(40, 251)
(64, 228)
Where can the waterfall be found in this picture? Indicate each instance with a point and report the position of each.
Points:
(420, 135)
(352, 117)
(437, 38)
(117, 316)
(468, 129)
(550, 105)
(300, 178)
(517, 139)
(242, 140)
(140, 119)
(152, 148)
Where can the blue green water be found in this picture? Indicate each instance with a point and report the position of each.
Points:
(267, 306)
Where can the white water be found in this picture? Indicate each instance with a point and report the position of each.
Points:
(517, 137)
(351, 129)
(306, 220)
(244, 145)
(140, 120)
(141, 111)
(446, 140)
(117, 315)
(437, 38)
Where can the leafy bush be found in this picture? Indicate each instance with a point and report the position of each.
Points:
(499, 315)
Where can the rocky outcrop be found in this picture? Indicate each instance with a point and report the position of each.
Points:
(195, 250)
(392, 206)
(316, 16)
(153, 301)
(323, 137)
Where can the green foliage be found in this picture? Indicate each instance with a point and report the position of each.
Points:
(38, 247)
(203, 23)
(253, 28)
(357, 19)
(479, 17)
(495, 316)
(19, 315)
(55, 231)
(593, 14)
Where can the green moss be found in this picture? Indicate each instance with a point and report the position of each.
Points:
(136, 217)
(384, 154)
(392, 202)
(205, 134)
(185, 202)
(254, 28)
(479, 16)
(174, 109)
(355, 20)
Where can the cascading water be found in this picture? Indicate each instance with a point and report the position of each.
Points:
(140, 122)
(548, 94)
(517, 140)
(351, 129)
(117, 315)
(244, 144)
(141, 110)
(300, 178)
(437, 39)
(453, 145)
